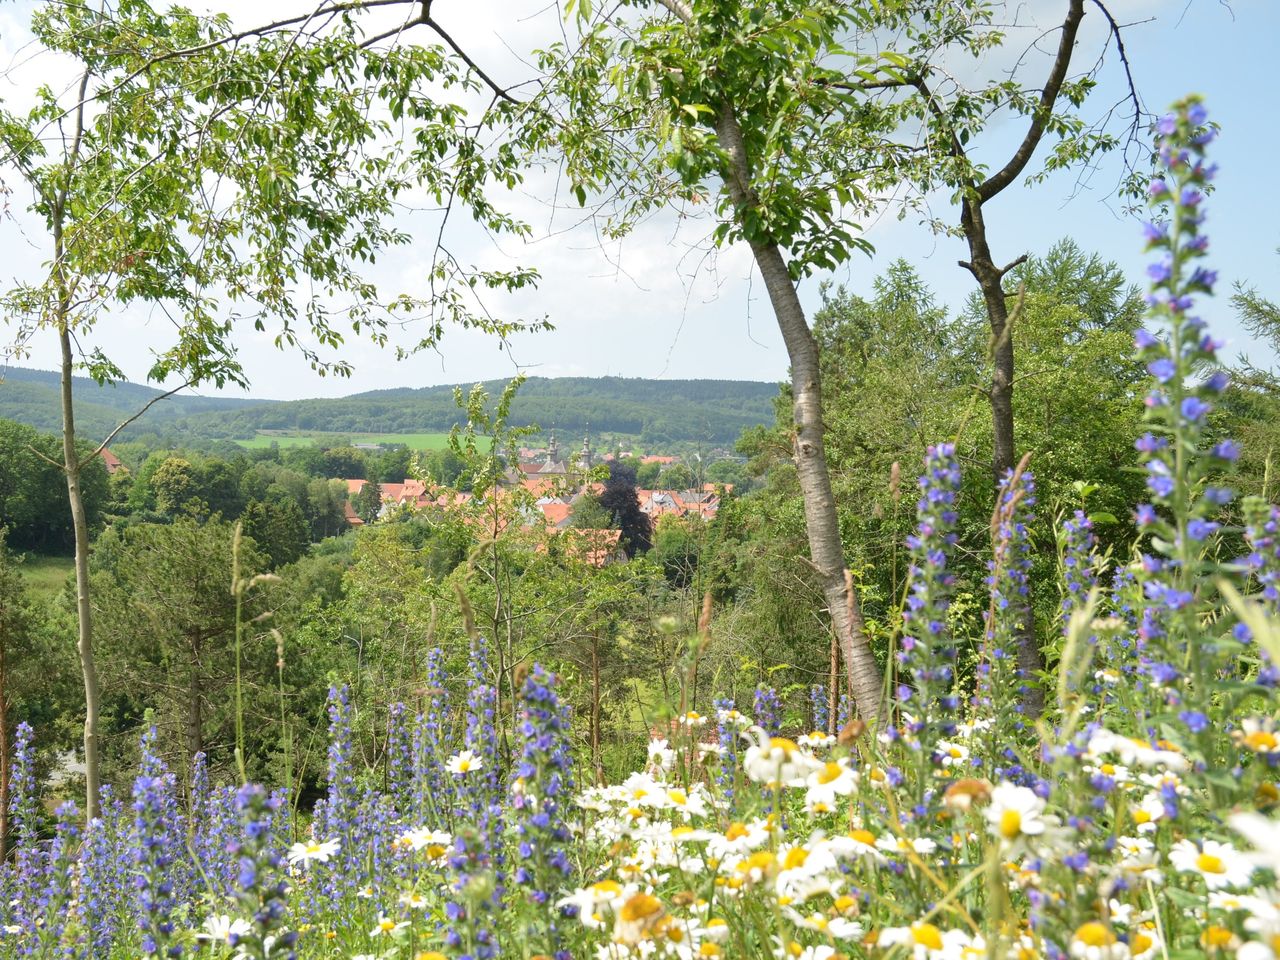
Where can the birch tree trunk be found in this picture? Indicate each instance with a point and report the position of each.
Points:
(826, 549)
(84, 610)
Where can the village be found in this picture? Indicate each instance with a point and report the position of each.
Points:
(541, 491)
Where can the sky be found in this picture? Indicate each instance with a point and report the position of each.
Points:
(663, 304)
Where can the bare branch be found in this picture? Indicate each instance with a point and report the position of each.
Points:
(49, 460)
(492, 84)
(1124, 56)
(1048, 97)
(1009, 266)
(147, 406)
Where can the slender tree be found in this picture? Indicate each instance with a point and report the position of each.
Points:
(957, 119)
(764, 109)
(236, 177)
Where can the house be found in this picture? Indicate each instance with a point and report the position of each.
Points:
(596, 548)
(557, 514)
(680, 503)
(112, 461)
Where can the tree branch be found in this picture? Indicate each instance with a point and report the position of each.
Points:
(679, 8)
(957, 148)
(1009, 266)
(1124, 56)
(47, 459)
(147, 406)
(439, 31)
(1048, 97)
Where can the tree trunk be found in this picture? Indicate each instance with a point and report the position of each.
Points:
(1003, 457)
(61, 320)
(84, 611)
(826, 550)
(595, 709)
(195, 713)
(833, 689)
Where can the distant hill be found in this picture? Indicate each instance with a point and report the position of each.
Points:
(33, 397)
(712, 411)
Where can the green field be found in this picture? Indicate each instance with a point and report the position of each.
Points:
(45, 576)
(262, 441)
(414, 441)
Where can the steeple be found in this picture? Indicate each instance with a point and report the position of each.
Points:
(586, 457)
(553, 449)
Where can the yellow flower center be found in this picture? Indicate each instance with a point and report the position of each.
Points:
(796, 857)
(640, 907)
(926, 935)
(863, 836)
(782, 743)
(678, 797)
(844, 903)
(762, 860)
(464, 764)
(736, 831)
(606, 887)
(1010, 824)
(1095, 934)
(1208, 863)
(1140, 943)
(709, 949)
(1261, 741)
(830, 772)
(1141, 816)
(1216, 936)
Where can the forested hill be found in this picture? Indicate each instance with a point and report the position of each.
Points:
(714, 411)
(32, 397)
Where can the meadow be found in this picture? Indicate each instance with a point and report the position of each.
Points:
(45, 575)
(1130, 816)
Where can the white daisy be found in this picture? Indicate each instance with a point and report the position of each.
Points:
(318, 851)
(463, 763)
(219, 928)
(1016, 814)
(1220, 864)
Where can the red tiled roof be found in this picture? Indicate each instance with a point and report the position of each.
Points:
(557, 514)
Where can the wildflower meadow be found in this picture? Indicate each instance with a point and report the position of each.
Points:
(1131, 820)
